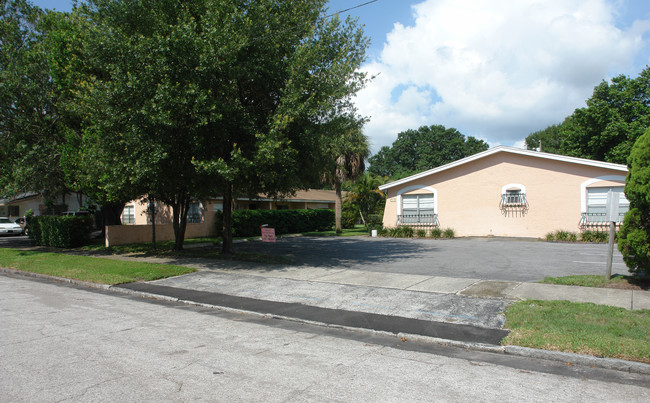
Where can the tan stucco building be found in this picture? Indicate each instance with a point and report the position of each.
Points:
(507, 191)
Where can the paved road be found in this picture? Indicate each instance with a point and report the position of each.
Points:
(61, 343)
(482, 258)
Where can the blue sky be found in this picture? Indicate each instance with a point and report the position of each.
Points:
(494, 69)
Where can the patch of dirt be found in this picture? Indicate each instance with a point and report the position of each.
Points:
(630, 286)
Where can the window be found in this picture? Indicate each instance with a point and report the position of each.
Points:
(418, 209)
(513, 197)
(195, 213)
(597, 205)
(14, 211)
(128, 215)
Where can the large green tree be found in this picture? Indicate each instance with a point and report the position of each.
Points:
(205, 97)
(634, 235)
(617, 113)
(30, 129)
(422, 149)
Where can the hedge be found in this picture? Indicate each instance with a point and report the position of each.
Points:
(60, 231)
(247, 222)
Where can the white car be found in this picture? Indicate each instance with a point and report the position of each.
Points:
(9, 228)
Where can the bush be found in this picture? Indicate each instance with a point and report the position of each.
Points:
(60, 231)
(436, 233)
(634, 235)
(421, 233)
(565, 236)
(634, 242)
(247, 222)
(375, 221)
(448, 233)
(349, 215)
(595, 236)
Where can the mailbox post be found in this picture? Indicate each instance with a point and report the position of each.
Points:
(612, 217)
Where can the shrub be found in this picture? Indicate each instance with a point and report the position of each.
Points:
(565, 236)
(60, 231)
(349, 215)
(375, 221)
(634, 235)
(406, 232)
(550, 236)
(634, 242)
(448, 233)
(436, 233)
(247, 222)
(421, 233)
(594, 236)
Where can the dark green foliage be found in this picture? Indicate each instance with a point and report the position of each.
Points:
(594, 236)
(634, 235)
(421, 233)
(349, 215)
(60, 231)
(616, 115)
(436, 233)
(375, 221)
(550, 140)
(247, 222)
(422, 149)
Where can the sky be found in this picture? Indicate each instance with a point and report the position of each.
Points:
(497, 70)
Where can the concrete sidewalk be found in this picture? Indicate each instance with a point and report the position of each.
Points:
(313, 281)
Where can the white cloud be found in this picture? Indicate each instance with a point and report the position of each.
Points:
(494, 69)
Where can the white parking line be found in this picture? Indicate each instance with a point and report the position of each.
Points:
(579, 261)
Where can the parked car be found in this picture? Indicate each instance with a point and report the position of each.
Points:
(23, 224)
(7, 227)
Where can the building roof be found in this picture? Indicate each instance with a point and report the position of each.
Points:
(510, 150)
(309, 196)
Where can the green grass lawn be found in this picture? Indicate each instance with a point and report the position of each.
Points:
(91, 269)
(616, 281)
(358, 230)
(582, 328)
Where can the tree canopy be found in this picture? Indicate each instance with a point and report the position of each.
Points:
(185, 100)
(422, 149)
(617, 113)
(30, 130)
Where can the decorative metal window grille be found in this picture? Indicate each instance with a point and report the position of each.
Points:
(596, 214)
(418, 210)
(513, 198)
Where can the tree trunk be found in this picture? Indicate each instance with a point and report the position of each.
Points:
(180, 207)
(227, 246)
(152, 205)
(338, 207)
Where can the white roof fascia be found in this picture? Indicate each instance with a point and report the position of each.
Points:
(512, 150)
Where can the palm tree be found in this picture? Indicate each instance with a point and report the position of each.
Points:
(347, 153)
(366, 196)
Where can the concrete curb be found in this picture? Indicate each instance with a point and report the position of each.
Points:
(569, 358)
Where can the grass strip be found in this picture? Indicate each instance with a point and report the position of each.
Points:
(358, 230)
(616, 281)
(91, 269)
(581, 328)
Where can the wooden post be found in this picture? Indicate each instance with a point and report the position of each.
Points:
(610, 255)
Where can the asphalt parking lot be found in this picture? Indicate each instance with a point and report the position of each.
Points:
(507, 259)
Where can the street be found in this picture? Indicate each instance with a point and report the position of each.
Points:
(65, 343)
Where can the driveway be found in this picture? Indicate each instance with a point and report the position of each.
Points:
(479, 258)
